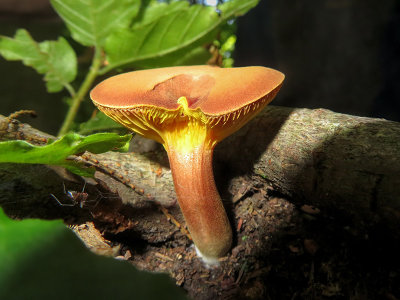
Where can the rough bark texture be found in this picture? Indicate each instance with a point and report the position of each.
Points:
(346, 166)
(328, 159)
(323, 158)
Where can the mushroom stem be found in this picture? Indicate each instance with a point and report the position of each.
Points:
(189, 110)
(200, 202)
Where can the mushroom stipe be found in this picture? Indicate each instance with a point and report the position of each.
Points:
(189, 110)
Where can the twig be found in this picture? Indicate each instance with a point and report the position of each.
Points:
(104, 168)
(12, 129)
(19, 113)
(175, 222)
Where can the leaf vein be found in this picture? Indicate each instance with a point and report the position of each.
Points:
(183, 34)
(104, 6)
(72, 11)
(106, 28)
(166, 28)
(79, 29)
(144, 39)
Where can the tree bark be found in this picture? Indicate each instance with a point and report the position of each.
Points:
(318, 157)
(327, 159)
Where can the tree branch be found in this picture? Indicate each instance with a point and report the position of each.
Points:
(330, 160)
(333, 161)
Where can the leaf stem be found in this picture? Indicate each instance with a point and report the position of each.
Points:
(70, 89)
(83, 90)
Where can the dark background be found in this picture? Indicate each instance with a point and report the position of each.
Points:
(341, 55)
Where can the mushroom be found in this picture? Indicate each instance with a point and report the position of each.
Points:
(189, 110)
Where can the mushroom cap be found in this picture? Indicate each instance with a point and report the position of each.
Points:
(189, 110)
(216, 91)
(217, 100)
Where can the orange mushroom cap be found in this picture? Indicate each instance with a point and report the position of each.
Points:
(224, 96)
(214, 90)
(189, 110)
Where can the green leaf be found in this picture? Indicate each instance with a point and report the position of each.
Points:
(153, 10)
(163, 29)
(226, 43)
(101, 123)
(226, 51)
(187, 56)
(57, 152)
(45, 260)
(91, 21)
(236, 8)
(55, 59)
